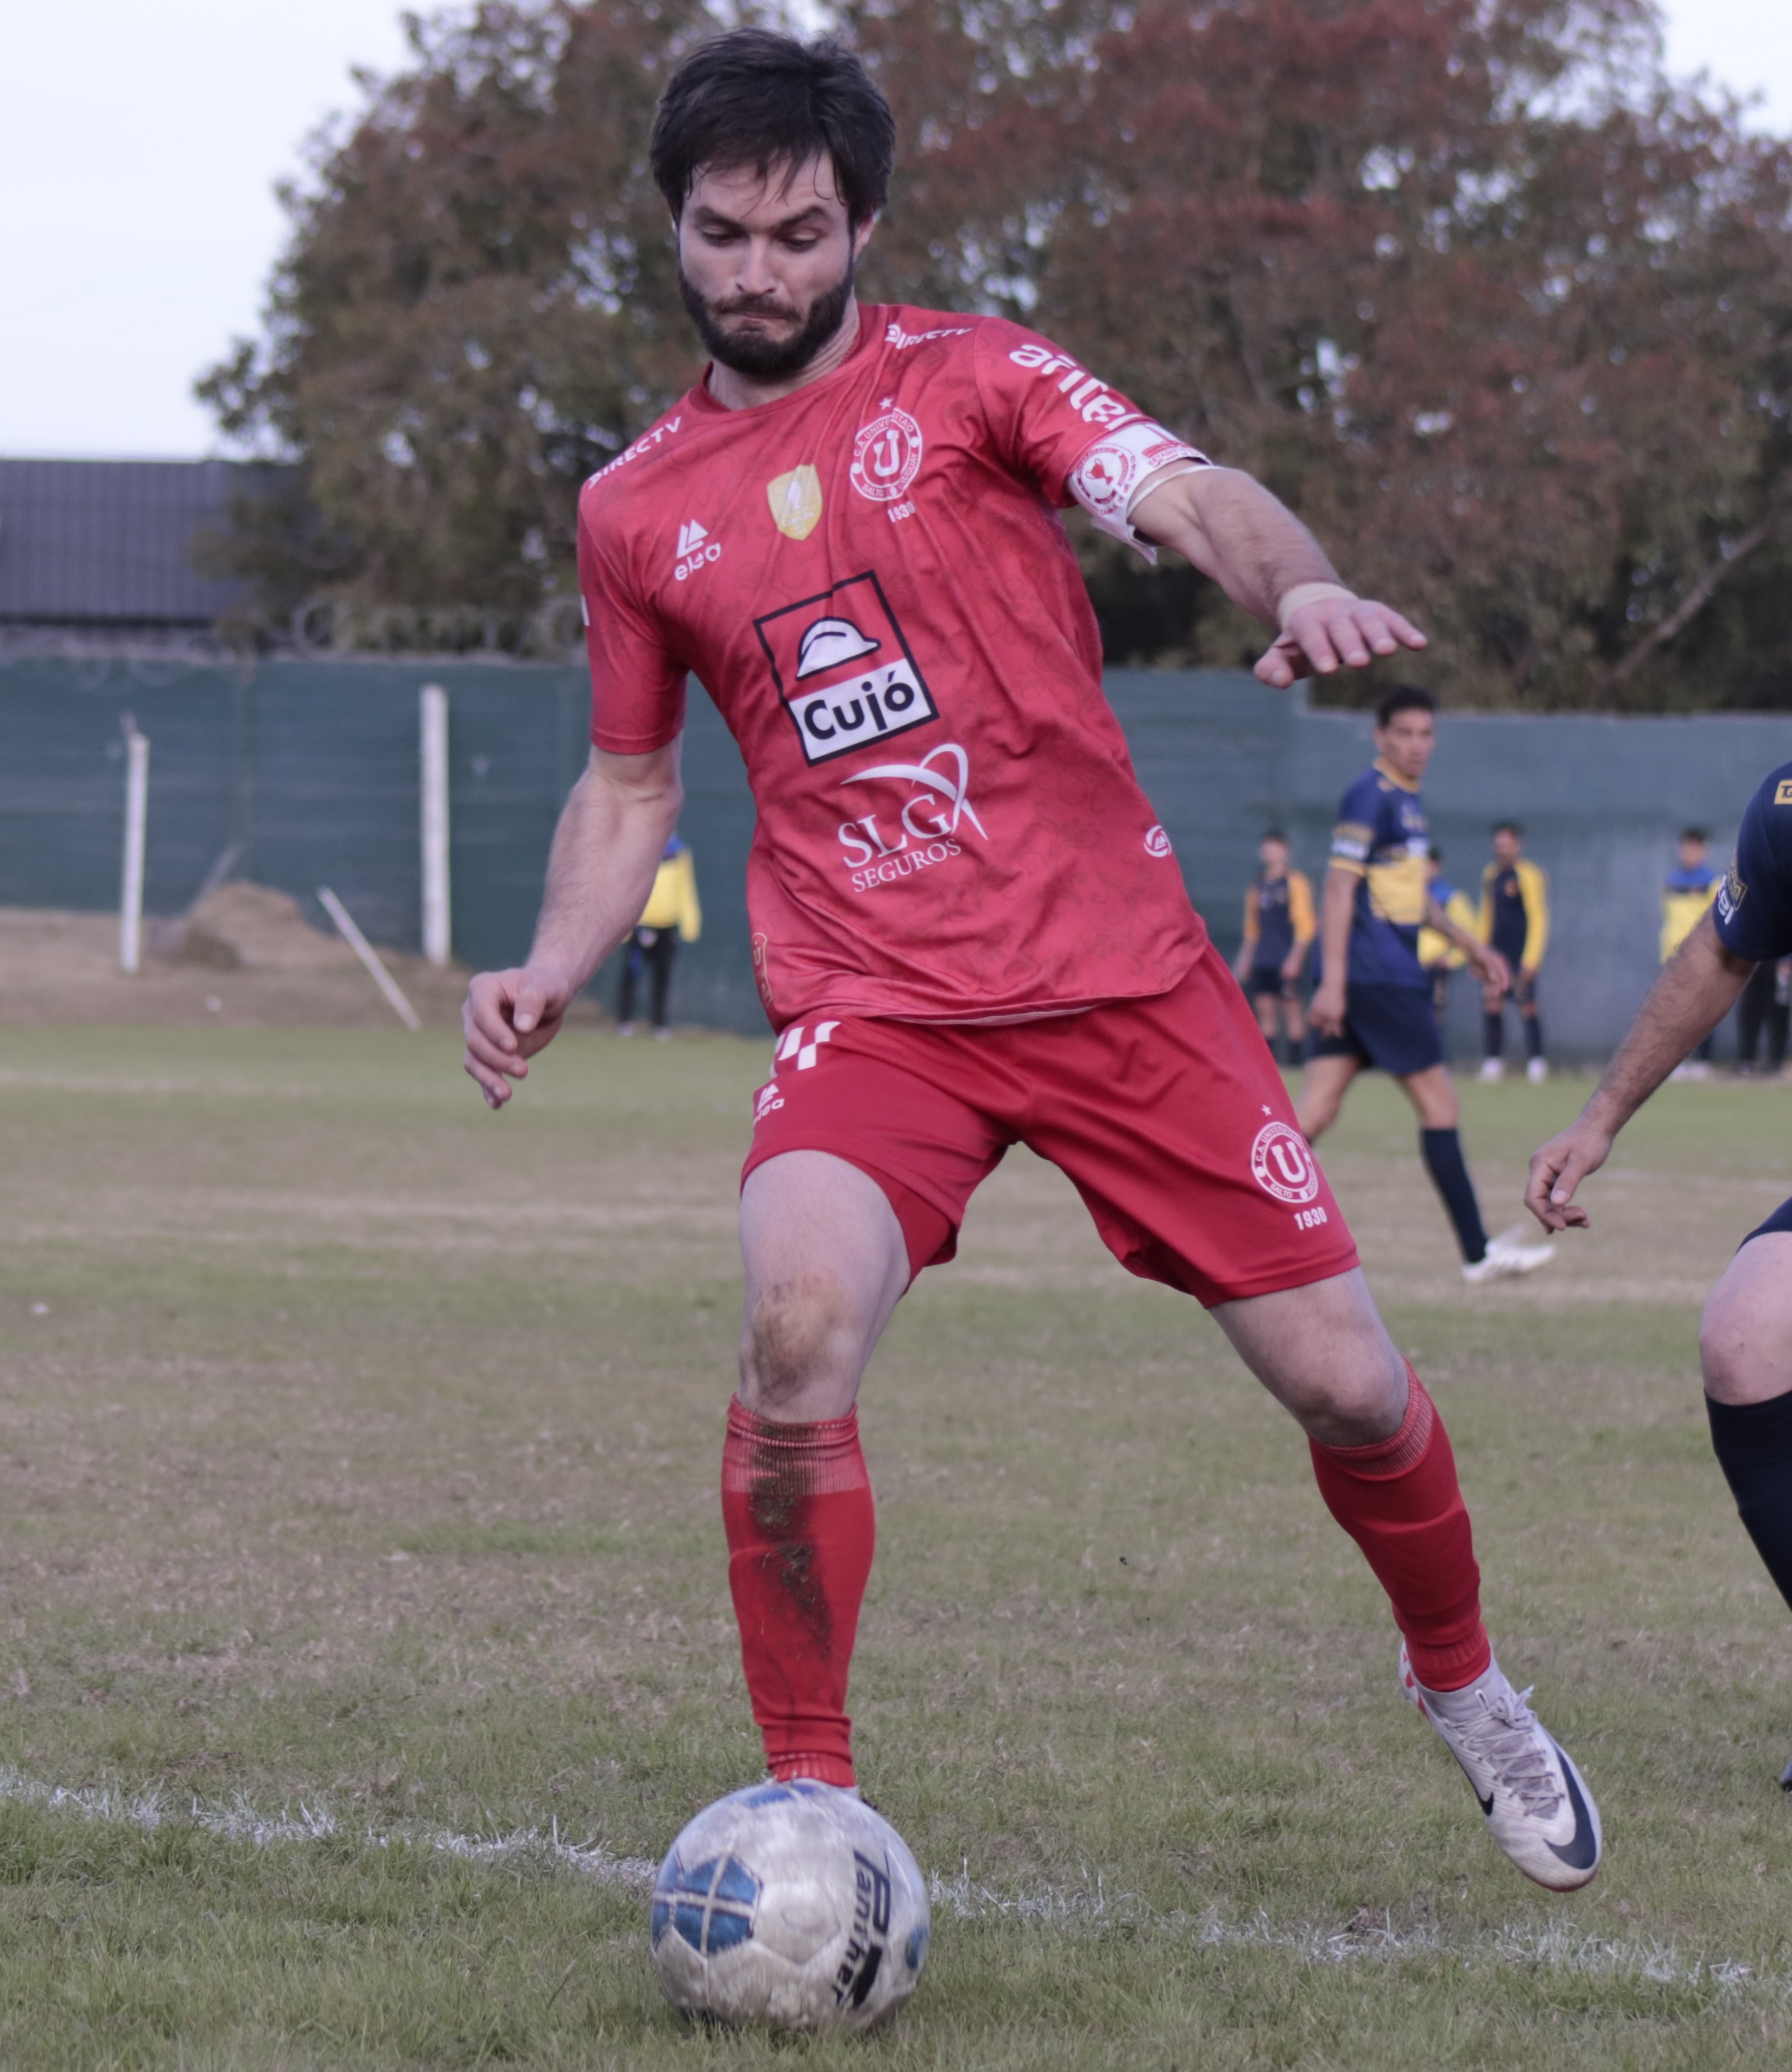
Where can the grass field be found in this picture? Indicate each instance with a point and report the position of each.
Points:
(364, 1603)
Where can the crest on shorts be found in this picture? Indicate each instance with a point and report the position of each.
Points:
(1282, 1163)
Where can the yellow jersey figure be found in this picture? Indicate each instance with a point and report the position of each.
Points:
(1279, 927)
(671, 915)
(1514, 919)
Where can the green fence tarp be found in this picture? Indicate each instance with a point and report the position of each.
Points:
(310, 771)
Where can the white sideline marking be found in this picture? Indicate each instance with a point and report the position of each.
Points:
(240, 1822)
(1557, 1947)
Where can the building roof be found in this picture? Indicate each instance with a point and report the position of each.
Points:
(107, 543)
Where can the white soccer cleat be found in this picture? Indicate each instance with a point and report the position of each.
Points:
(1492, 1069)
(1537, 1070)
(1537, 1806)
(1506, 1256)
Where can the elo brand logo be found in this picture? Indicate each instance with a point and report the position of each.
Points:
(1157, 843)
(695, 548)
(885, 455)
(1281, 1165)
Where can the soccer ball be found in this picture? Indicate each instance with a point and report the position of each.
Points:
(790, 1906)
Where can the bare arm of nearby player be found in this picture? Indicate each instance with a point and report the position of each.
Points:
(1697, 988)
(613, 833)
(1337, 897)
(1487, 963)
(1267, 561)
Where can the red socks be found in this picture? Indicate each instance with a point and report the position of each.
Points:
(796, 1507)
(1399, 1501)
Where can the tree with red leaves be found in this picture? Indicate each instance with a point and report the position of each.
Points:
(1505, 315)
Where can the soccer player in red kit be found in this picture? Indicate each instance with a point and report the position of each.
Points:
(969, 930)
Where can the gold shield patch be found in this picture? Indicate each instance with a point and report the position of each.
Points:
(796, 502)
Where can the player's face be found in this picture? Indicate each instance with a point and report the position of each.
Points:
(1274, 857)
(1406, 743)
(1506, 846)
(765, 264)
(1692, 854)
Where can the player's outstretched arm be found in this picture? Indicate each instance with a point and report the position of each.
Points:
(1693, 994)
(1337, 899)
(1486, 963)
(1267, 561)
(612, 834)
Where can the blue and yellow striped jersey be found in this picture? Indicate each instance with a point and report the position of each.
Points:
(1382, 838)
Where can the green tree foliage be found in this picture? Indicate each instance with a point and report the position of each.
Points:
(1506, 316)
(479, 306)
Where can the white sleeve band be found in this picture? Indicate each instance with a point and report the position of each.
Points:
(1118, 470)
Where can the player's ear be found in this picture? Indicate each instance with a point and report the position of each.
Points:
(862, 237)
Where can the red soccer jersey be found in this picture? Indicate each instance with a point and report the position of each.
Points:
(871, 578)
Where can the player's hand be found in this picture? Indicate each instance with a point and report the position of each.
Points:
(1291, 967)
(1494, 972)
(1334, 633)
(507, 1018)
(1325, 1009)
(1558, 1170)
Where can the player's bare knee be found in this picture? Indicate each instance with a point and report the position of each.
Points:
(1731, 1339)
(799, 1331)
(1361, 1402)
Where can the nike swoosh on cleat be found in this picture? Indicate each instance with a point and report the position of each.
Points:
(1582, 1853)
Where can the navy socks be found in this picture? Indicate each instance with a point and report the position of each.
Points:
(1754, 1445)
(1443, 1161)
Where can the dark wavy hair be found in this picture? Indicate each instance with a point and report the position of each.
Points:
(1404, 697)
(752, 98)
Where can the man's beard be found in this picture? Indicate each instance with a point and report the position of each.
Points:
(757, 354)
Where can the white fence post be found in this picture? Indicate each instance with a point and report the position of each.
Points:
(438, 924)
(136, 822)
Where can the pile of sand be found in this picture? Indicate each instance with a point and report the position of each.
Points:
(245, 957)
(250, 927)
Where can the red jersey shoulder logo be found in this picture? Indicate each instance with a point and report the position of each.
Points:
(843, 669)
(885, 455)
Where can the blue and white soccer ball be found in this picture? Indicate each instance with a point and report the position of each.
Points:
(790, 1906)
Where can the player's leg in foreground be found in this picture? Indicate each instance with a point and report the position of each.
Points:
(827, 1261)
(1745, 1357)
(1385, 1467)
(1327, 1081)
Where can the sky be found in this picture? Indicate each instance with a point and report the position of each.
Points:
(139, 149)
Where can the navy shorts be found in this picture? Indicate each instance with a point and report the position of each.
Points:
(1265, 982)
(1778, 1223)
(1392, 1026)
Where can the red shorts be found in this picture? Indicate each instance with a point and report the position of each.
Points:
(1167, 1114)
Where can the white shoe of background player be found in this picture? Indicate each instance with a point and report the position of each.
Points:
(1537, 1070)
(1508, 1254)
(1537, 1806)
(1492, 1069)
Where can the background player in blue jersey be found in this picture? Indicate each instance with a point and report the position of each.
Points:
(1746, 1338)
(1373, 1006)
(1279, 930)
(1514, 919)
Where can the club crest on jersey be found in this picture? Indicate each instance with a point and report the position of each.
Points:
(1281, 1165)
(843, 669)
(796, 502)
(885, 455)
